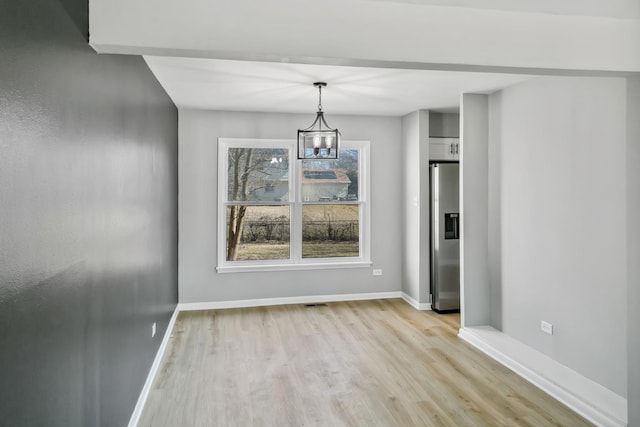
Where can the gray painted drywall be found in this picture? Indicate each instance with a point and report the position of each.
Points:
(444, 125)
(494, 228)
(633, 249)
(474, 271)
(88, 230)
(410, 205)
(415, 188)
(198, 279)
(563, 234)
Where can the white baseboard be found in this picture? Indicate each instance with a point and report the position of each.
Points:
(596, 403)
(263, 302)
(415, 304)
(144, 394)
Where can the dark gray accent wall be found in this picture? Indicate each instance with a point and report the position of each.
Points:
(88, 220)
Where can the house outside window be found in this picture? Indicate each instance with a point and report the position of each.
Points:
(278, 213)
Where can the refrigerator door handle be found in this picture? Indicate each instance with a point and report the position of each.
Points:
(455, 228)
(435, 232)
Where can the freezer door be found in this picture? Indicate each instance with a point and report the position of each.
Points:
(445, 237)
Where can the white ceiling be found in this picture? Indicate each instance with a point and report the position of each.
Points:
(288, 88)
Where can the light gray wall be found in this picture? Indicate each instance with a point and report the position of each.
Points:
(494, 229)
(474, 273)
(563, 234)
(198, 280)
(444, 125)
(633, 248)
(415, 189)
(88, 220)
(410, 205)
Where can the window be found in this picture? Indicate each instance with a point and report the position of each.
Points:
(277, 212)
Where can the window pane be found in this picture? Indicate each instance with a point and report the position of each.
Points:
(258, 174)
(258, 232)
(328, 180)
(330, 231)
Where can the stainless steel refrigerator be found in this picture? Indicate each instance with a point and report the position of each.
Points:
(445, 237)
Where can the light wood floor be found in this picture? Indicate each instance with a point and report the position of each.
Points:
(367, 363)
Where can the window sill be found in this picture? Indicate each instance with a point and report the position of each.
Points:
(293, 267)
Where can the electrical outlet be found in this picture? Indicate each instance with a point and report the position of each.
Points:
(546, 327)
(377, 272)
(153, 330)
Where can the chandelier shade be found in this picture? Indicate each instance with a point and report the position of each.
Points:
(319, 141)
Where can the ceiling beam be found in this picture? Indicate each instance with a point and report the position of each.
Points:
(375, 33)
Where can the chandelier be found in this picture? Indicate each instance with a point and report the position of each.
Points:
(318, 141)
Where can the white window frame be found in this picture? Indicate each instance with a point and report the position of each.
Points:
(295, 262)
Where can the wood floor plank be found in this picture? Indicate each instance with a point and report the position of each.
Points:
(366, 363)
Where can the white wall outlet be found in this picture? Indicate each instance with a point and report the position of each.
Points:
(377, 272)
(153, 330)
(546, 327)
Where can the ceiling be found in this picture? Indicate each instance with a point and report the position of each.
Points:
(229, 85)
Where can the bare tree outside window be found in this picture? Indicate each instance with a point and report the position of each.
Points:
(254, 175)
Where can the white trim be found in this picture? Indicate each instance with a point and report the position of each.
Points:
(596, 403)
(293, 267)
(262, 302)
(415, 304)
(144, 394)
